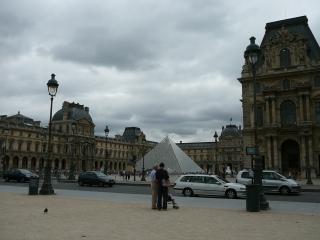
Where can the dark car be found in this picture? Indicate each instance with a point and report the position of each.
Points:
(95, 178)
(19, 175)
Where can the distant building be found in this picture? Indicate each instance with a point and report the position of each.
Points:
(288, 99)
(216, 156)
(24, 143)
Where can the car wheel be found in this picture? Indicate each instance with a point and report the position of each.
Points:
(80, 183)
(284, 190)
(110, 184)
(187, 192)
(101, 184)
(22, 180)
(231, 194)
(6, 179)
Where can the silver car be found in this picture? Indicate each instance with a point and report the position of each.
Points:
(272, 181)
(200, 184)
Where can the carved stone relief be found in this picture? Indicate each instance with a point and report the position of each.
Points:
(294, 42)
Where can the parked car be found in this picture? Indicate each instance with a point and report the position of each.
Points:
(95, 178)
(272, 181)
(19, 175)
(200, 184)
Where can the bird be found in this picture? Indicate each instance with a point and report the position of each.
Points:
(45, 210)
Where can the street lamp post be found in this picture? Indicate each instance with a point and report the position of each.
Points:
(46, 188)
(106, 132)
(4, 159)
(216, 166)
(143, 177)
(252, 53)
(73, 153)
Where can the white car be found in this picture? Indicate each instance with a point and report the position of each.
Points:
(271, 181)
(200, 184)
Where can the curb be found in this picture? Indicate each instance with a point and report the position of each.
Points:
(138, 183)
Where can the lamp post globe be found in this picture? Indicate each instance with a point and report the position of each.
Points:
(46, 188)
(106, 132)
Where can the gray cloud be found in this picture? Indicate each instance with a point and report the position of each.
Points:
(168, 67)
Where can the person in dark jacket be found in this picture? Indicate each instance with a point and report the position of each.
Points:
(162, 177)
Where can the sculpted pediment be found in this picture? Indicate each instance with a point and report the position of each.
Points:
(283, 36)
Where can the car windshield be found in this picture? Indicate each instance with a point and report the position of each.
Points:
(25, 171)
(100, 174)
(222, 179)
(279, 175)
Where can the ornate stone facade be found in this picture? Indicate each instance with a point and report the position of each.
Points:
(24, 143)
(288, 99)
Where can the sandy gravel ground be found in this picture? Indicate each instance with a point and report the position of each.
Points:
(22, 218)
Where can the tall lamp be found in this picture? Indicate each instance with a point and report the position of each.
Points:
(106, 132)
(143, 177)
(252, 53)
(46, 188)
(216, 166)
(73, 150)
(4, 159)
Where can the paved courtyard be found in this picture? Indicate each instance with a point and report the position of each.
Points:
(75, 215)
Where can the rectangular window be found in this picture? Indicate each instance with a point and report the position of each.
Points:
(317, 112)
(286, 84)
(259, 116)
(317, 81)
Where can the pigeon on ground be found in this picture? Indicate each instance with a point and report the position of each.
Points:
(45, 210)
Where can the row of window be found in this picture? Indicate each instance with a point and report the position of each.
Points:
(288, 113)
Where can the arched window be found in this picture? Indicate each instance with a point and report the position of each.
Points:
(288, 113)
(285, 59)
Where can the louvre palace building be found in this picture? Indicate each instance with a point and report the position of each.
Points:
(287, 94)
(287, 99)
(24, 144)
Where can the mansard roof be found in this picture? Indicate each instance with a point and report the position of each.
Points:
(296, 28)
(72, 111)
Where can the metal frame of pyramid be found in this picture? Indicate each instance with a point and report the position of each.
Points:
(174, 159)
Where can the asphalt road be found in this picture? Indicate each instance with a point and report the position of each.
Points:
(312, 197)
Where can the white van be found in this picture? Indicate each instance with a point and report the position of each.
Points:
(271, 181)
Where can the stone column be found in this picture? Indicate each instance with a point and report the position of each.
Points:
(267, 112)
(277, 162)
(301, 108)
(10, 163)
(269, 153)
(274, 116)
(303, 153)
(310, 152)
(29, 164)
(37, 163)
(308, 107)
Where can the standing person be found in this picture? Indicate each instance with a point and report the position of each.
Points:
(162, 177)
(154, 187)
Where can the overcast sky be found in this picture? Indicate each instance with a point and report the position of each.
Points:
(169, 67)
